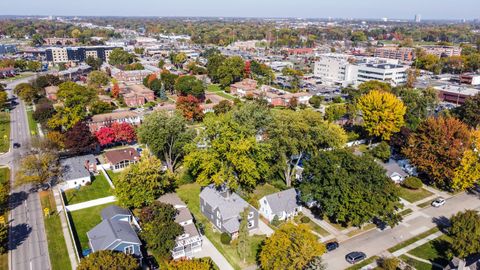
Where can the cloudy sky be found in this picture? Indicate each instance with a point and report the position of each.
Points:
(401, 9)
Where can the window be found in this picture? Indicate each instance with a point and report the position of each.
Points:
(128, 250)
(250, 215)
(218, 214)
(251, 223)
(219, 223)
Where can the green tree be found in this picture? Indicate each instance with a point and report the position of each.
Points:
(100, 107)
(26, 92)
(342, 184)
(295, 76)
(335, 112)
(368, 86)
(34, 65)
(94, 62)
(66, 117)
(213, 66)
(243, 241)
(420, 104)
(72, 95)
(382, 113)
(166, 136)
(141, 183)
(231, 71)
(316, 264)
(97, 79)
(104, 259)
(296, 135)
(120, 57)
(469, 112)
(291, 247)
(465, 233)
(159, 229)
(223, 106)
(3, 100)
(189, 85)
(168, 79)
(381, 151)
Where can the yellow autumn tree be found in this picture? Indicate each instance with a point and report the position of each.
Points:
(383, 113)
(469, 170)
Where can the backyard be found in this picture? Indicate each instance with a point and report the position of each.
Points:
(214, 88)
(412, 196)
(189, 193)
(113, 175)
(98, 189)
(57, 248)
(4, 132)
(83, 221)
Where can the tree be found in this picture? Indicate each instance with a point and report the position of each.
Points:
(104, 259)
(381, 151)
(262, 72)
(3, 100)
(124, 132)
(389, 263)
(120, 57)
(316, 101)
(371, 85)
(161, 63)
(75, 33)
(465, 233)
(179, 59)
(159, 229)
(342, 184)
(382, 113)
(468, 173)
(437, 148)
(43, 111)
(230, 154)
(94, 62)
(290, 247)
(335, 112)
(231, 71)
(72, 94)
(34, 65)
(213, 65)
(243, 241)
(223, 106)
(57, 138)
(97, 79)
(296, 135)
(469, 112)
(26, 92)
(141, 183)
(66, 117)
(37, 168)
(168, 79)
(105, 136)
(191, 264)
(190, 108)
(189, 85)
(79, 139)
(100, 107)
(166, 137)
(316, 264)
(115, 90)
(420, 103)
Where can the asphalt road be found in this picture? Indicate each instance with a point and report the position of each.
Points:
(376, 242)
(27, 239)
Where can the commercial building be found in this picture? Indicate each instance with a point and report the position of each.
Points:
(60, 41)
(455, 94)
(77, 54)
(7, 48)
(470, 78)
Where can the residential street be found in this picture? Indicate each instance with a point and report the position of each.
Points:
(376, 242)
(27, 240)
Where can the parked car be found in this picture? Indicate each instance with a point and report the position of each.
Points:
(16, 145)
(379, 223)
(355, 257)
(438, 202)
(332, 246)
(475, 189)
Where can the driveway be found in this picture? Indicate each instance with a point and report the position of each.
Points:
(209, 250)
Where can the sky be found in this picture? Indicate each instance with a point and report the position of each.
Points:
(399, 9)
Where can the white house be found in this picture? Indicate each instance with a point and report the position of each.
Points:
(282, 204)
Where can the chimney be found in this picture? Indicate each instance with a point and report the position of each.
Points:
(87, 164)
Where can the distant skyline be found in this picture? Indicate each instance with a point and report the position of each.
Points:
(399, 9)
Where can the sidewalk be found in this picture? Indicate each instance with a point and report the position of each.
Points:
(78, 206)
(66, 234)
(209, 250)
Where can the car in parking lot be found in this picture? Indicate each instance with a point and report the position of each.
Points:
(438, 202)
(355, 257)
(332, 246)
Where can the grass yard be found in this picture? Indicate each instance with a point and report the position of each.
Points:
(406, 212)
(259, 192)
(434, 251)
(4, 132)
(113, 175)
(32, 124)
(4, 175)
(412, 196)
(189, 193)
(425, 204)
(215, 88)
(361, 230)
(57, 247)
(413, 240)
(83, 221)
(98, 189)
(418, 264)
(363, 263)
(313, 226)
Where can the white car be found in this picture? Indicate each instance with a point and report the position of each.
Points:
(438, 202)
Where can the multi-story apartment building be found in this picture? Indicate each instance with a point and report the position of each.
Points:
(77, 54)
(393, 52)
(443, 51)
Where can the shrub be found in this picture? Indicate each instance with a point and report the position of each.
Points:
(208, 101)
(412, 183)
(225, 238)
(275, 221)
(305, 219)
(381, 151)
(389, 263)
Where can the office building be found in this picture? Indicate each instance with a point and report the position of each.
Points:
(77, 54)
(418, 18)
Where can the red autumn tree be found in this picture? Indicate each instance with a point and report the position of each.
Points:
(124, 132)
(247, 69)
(115, 90)
(437, 148)
(105, 136)
(190, 107)
(79, 139)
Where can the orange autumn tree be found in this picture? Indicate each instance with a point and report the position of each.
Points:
(190, 107)
(115, 90)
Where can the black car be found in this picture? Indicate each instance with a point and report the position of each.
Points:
(16, 145)
(355, 257)
(332, 246)
(380, 223)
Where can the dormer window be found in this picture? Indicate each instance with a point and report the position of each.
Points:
(250, 215)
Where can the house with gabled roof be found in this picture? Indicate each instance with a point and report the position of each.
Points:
(284, 205)
(116, 232)
(223, 208)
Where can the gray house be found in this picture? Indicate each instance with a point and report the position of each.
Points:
(78, 171)
(283, 204)
(223, 208)
(117, 232)
(394, 171)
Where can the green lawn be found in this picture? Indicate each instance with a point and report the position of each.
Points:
(418, 264)
(98, 189)
(215, 88)
(83, 221)
(32, 124)
(4, 175)
(434, 251)
(412, 196)
(4, 132)
(189, 193)
(113, 175)
(425, 204)
(406, 212)
(259, 192)
(363, 263)
(313, 226)
(57, 247)
(413, 240)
